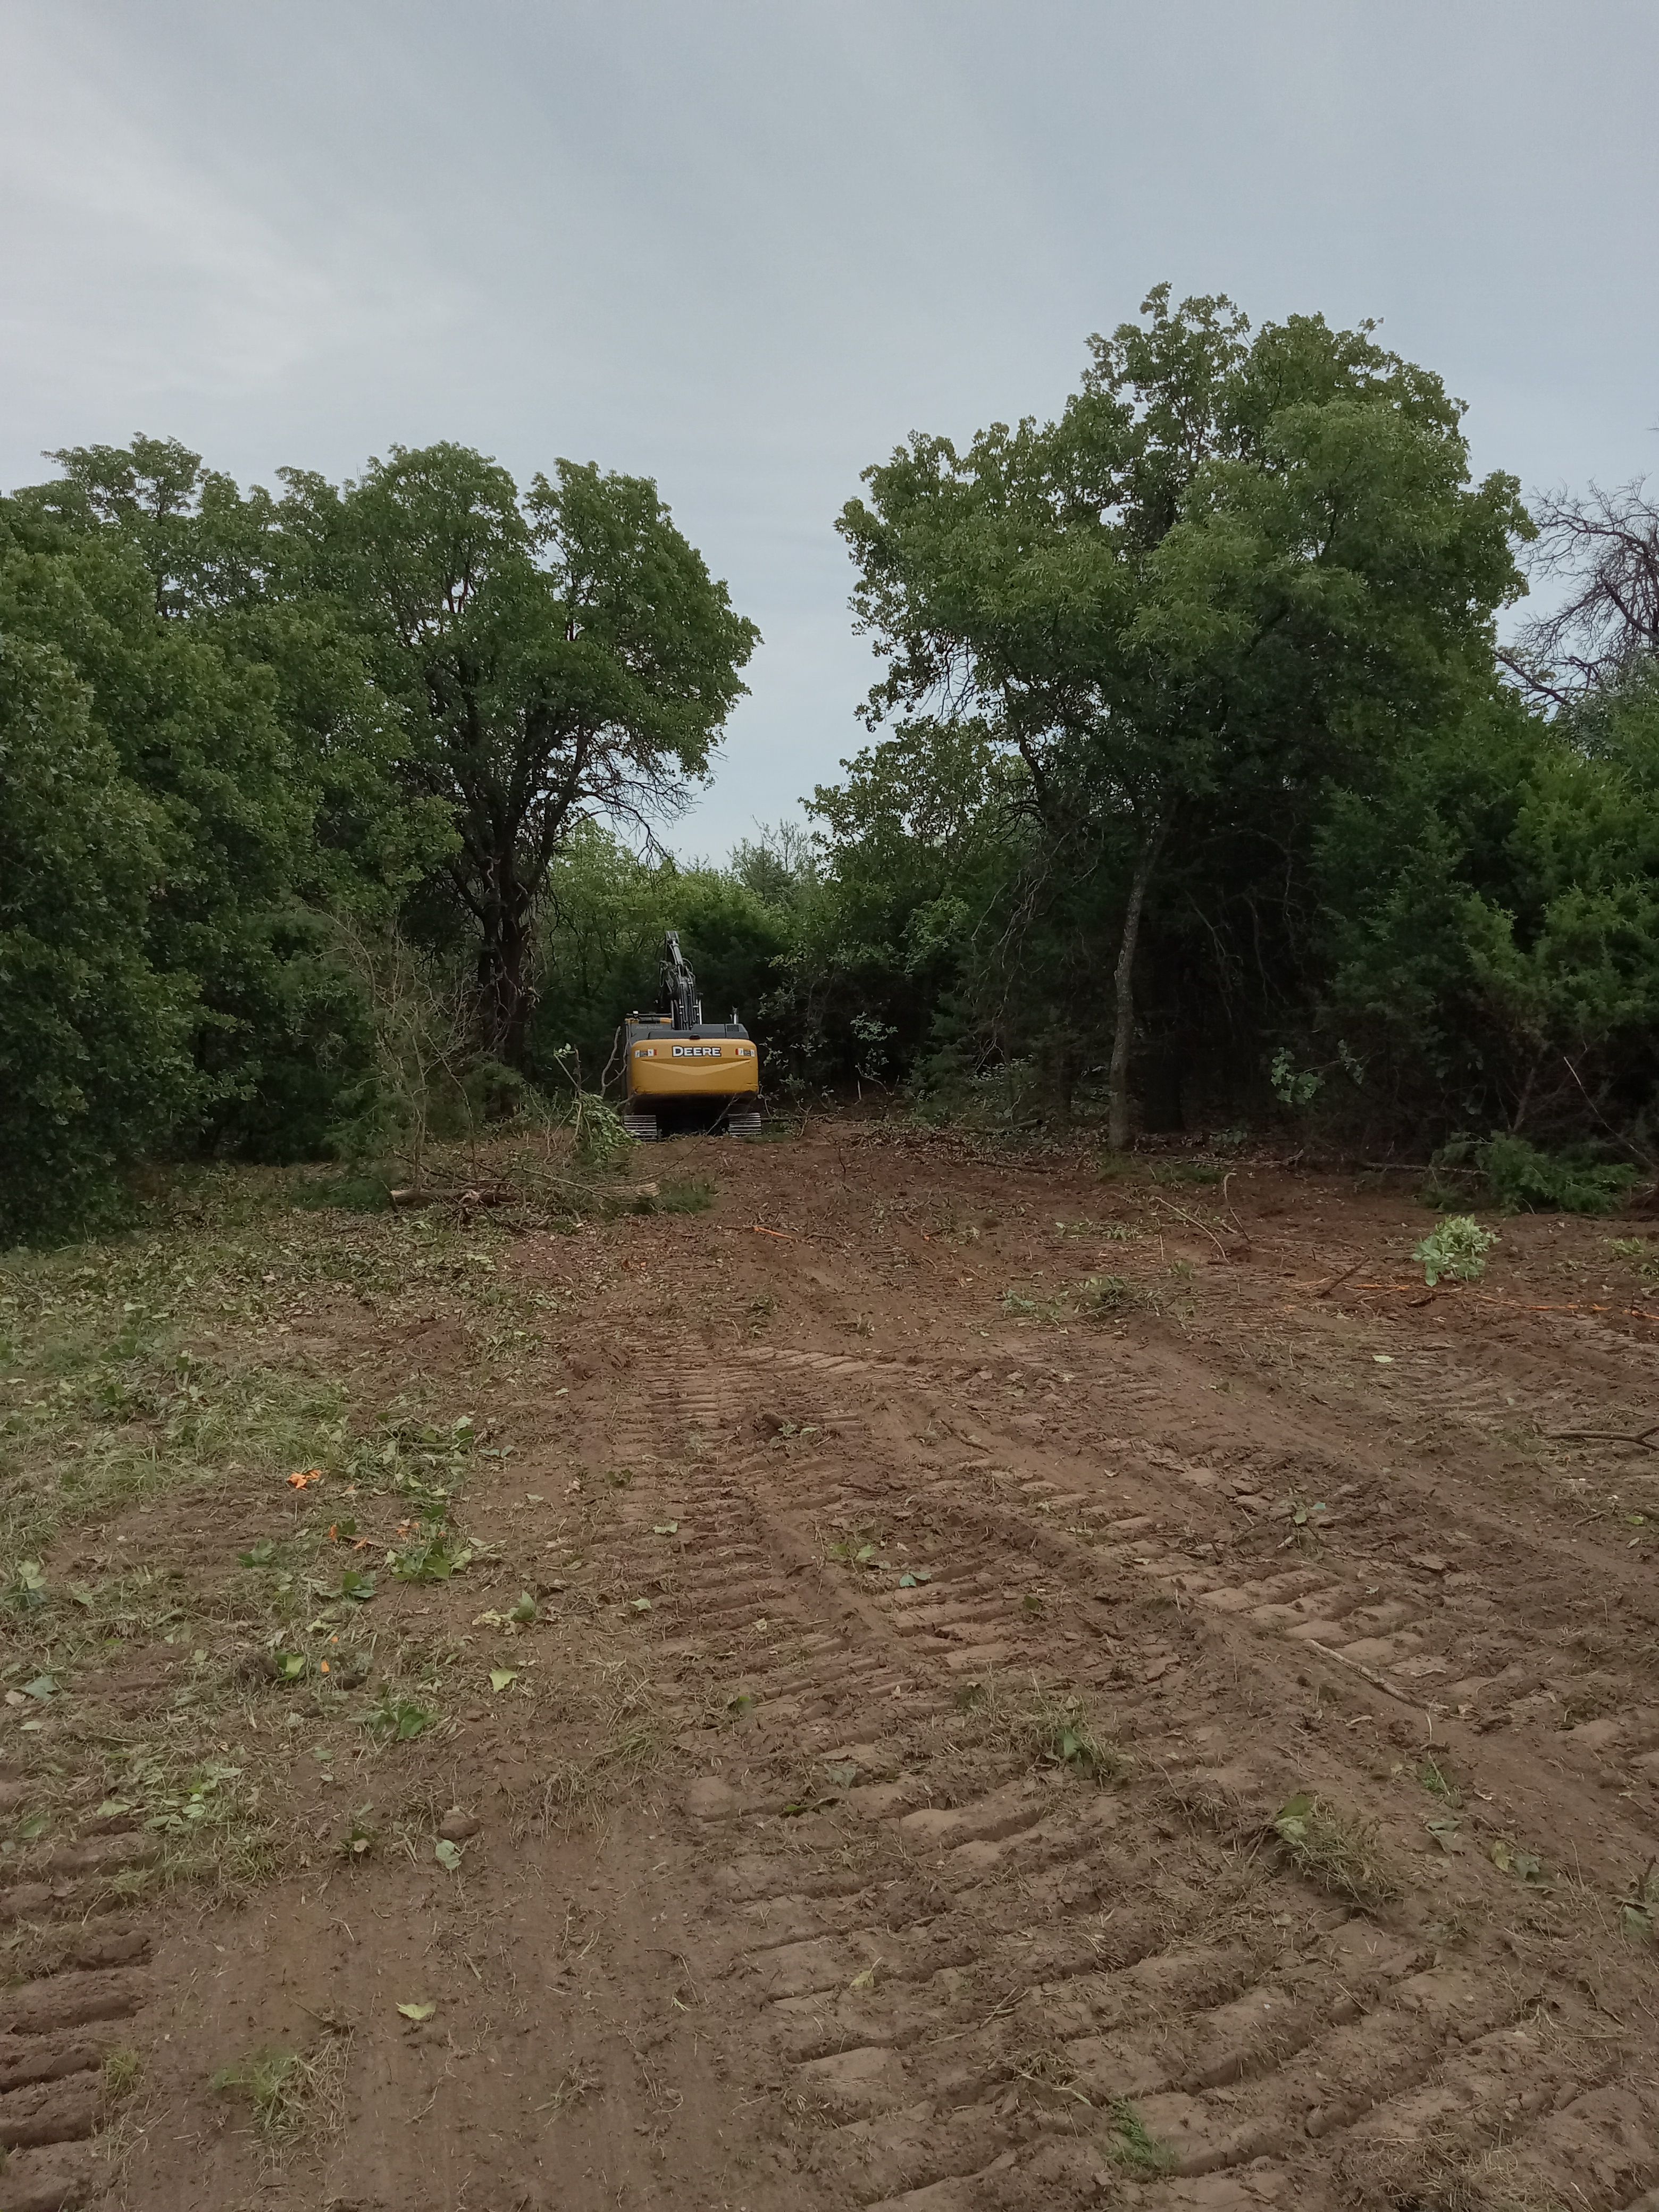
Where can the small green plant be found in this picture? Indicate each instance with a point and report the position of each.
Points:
(1439, 1784)
(1642, 1253)
(1039, 1725)
(396, 1719)
(1458, 1248)
(1064, 1738)
(862, 1548)
(361, 1835)
(27, 1590)
(1104, 1294)
(1132, 2145)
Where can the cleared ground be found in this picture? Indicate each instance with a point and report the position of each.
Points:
(937, 1681)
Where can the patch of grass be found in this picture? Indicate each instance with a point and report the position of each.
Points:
(1045, 1727)
(120, 2072)
(677, 1195)
(289, 2092)
(1336, 1853)
(1132, 2146)
(1190, 1171)
(145, 1364)
(630, 1727)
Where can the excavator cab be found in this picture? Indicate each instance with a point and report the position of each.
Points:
(686, 1073)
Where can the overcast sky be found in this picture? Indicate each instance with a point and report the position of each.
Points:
(745, 248)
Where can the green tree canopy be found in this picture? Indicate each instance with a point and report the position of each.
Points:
(1235, 567)
(553, 657)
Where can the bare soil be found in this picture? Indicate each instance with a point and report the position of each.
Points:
(984, 1743)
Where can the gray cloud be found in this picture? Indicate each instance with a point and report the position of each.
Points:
(745, 248)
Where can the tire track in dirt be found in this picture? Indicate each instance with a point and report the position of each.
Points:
(961, 1994)
(1436, 1637)
(64, 2024)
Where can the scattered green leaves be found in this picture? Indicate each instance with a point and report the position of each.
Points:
(433, 1556)
(1525, 1866)
(28, 1589)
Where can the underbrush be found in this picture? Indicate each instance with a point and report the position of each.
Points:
(1514, 1176)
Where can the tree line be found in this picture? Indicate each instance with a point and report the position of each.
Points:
(1197, 783)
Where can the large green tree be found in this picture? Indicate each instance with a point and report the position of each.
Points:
(94, 1059)
(553, 657)
(1235, 567)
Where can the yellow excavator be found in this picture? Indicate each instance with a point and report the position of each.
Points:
(683, 1072)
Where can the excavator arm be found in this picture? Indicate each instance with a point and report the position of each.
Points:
(679, 984)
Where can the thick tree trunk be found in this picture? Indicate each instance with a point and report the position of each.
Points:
(506, 994)
(1123, 1034)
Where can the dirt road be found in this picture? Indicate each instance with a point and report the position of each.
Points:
(1042, 1692)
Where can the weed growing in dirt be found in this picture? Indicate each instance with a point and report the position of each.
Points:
(290, 2093)
(119, 2073)
(432, 1556)
(1638, 1909)
(1132, 2146)
(1458, 1248)
(1439, 1784)
(1336, 1854)
(1042, 1726)
(1641, 1252)
(396, 1720)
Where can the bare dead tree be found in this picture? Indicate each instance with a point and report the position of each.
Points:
(1603, 546)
